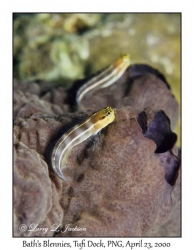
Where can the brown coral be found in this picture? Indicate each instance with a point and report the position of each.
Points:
(118, 184)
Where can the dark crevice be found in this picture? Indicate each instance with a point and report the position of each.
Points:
(171, 164)
(142, 120)
(158, 130)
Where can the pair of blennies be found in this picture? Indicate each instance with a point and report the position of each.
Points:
(95, 122)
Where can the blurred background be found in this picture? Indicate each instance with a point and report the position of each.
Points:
(62, 48)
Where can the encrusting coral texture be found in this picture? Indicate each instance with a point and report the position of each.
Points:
(123, 182)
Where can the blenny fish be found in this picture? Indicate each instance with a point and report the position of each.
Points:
(78, 134)
(105, 78)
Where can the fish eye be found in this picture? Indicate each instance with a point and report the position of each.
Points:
(107, 111)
